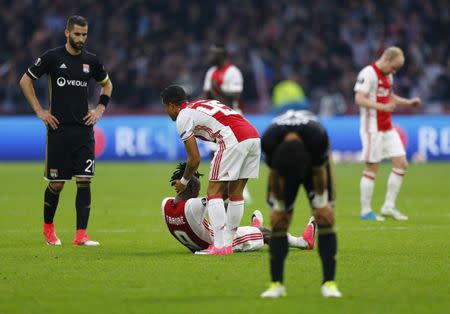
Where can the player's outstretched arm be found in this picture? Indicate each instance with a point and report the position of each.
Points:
(323, 212)
(26, 84)
(192, 163)
(105, 94)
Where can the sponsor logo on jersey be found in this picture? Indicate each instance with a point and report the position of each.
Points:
(61, 81)
(86, 68)
(63, 66)
(53, 173)
(382, 92)
(38, 62)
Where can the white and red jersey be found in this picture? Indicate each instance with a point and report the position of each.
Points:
(212, 121)
(228, 78)
(186, 222)
(378, 87)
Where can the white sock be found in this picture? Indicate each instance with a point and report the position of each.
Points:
(366, 186)
(216, 212)
(297, 242)
(235, 210)
(393, 187)
(247, 196)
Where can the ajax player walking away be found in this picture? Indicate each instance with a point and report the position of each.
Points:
(69, 123)
(185, 213)
(235, 161)
(377, 101)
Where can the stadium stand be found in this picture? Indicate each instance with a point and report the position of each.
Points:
(147, 46)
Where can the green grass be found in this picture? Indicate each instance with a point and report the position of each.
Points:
(388, 267)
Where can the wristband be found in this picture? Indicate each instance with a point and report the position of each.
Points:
(104, 100)
(320, 201)
(184, 181)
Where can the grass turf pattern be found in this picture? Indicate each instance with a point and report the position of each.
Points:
(383, 267)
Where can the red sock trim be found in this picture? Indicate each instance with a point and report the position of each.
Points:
(214, 197)
(236, 199)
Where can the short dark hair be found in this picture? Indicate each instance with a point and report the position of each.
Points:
(76, 20)
(173, 94)
(291, 160)
(218, 47)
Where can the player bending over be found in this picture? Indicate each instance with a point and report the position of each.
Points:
(185, 218)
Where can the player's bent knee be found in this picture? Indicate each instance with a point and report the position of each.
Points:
(56, 186)
(324, 216)
(280, 222)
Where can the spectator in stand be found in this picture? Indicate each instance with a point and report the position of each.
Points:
(321, 41)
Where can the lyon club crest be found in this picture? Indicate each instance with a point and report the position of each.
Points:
(86, 68)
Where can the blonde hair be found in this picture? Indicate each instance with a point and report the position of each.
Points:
(393, 52)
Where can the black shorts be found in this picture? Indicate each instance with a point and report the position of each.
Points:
(292, 187)
(70, 152)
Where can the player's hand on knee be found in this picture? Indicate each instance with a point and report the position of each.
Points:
(324, 216)
(48, 119)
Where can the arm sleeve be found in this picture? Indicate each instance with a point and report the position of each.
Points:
(207, 82)
(233, 82)
(41, 66)
(197, 208)
(365, 81)
(98, 72)
(185, 125)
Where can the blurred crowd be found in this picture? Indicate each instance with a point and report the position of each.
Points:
(319, 44)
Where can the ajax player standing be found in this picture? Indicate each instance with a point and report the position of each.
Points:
(374, 95)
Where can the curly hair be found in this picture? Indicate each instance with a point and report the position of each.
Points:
(178, 173)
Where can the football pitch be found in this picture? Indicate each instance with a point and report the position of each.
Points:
(383, 267)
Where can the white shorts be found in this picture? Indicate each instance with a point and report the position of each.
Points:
(240, 161)
(248, 239)
(380, 145)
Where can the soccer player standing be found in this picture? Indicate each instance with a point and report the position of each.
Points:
(374, 95)
(296, 148)
(223, 80)
(225, 83)
(69, 123)
(235, 161)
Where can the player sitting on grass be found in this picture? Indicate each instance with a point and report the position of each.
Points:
(185, 218)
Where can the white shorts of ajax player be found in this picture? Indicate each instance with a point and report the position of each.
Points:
(240, 161)
(248, 239)
(380, 145)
